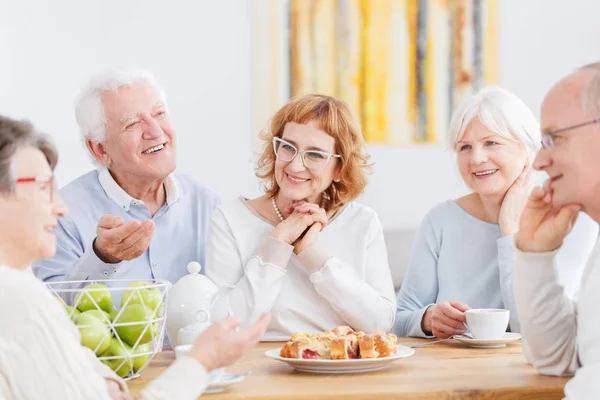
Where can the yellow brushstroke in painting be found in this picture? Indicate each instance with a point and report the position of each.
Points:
(411, 59)
(490, 60)
(349, 53)
(324, 47)
(400, 127)
(376, 61)
(437, 70)
(300, 43)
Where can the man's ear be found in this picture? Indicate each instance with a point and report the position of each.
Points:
(97, 150)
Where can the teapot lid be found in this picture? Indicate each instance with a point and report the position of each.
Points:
(194, 281)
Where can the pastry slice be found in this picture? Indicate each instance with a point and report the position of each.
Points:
(353, 350)
(285, 350)
(385, 344)
(309, 349)
(339, 349)
(366, 347)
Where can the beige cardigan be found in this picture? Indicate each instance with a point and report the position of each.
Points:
(562, 337)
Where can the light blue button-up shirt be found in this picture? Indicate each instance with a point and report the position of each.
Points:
(181, 228)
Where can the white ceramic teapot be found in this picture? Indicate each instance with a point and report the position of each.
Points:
(190, 301)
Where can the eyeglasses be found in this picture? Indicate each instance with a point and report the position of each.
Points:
(48, 183)
(312, 159)
(548, 141)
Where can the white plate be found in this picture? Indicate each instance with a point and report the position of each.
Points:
(341, 366)
(489, 343)
(226, 380)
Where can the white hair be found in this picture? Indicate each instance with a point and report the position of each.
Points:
(503, 113)
(89, 110)
(590, 96)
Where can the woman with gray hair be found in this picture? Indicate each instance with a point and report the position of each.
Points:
(40, 352)
(464, 251)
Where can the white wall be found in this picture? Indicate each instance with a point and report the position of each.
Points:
(200, 51)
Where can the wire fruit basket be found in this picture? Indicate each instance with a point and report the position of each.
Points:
(122, 320)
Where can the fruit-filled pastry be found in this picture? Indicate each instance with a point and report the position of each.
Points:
(341, 343)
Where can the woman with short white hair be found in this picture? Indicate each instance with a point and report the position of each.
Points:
(464, 251)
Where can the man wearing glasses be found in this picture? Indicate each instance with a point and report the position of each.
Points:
(563, 336)
(134, 217)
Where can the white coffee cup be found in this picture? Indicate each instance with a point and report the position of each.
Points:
(487, 323)
(186, 337)
(189, 333)
(213, 376)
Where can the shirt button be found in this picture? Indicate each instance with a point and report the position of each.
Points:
(155, 265)
(105, 273)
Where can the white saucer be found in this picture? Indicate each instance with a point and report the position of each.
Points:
(226, 380)
(489, 343)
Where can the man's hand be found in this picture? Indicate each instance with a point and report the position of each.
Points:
(117, 241)
(543, 227)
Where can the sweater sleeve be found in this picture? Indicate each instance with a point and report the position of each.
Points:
(366, 303)
(246, 290)
(506, 263)
(185, 379)
(548, 316)
(420, 287)
(40, 353)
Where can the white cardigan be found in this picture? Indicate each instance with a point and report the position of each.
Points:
(562, 336)
(351, 283)
(41, 358)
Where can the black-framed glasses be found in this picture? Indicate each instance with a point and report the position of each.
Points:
(46, 180)
(312, 159)
(548, 141)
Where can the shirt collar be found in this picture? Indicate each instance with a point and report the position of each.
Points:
(124, 200)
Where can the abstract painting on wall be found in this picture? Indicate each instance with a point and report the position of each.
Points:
(401, 65)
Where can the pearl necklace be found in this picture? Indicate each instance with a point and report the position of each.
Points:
(276, 209)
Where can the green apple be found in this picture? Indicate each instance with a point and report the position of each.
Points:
(102, 297)
(95, 334)
(130, 333)
(72, 312)
(122, 365)
(140, 360)
(101, 315)
(113, 315)
(137, 293)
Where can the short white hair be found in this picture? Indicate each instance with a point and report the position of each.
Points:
(89, 110)
(590, 96)
(503, 113)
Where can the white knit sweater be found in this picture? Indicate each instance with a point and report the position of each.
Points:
(342, 279)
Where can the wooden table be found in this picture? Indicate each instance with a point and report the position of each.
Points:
(447, 370)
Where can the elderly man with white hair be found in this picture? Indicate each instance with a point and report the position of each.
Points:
(464, 253)
(563, 335)
(135, 217)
